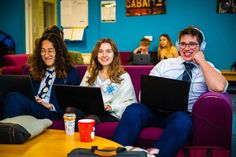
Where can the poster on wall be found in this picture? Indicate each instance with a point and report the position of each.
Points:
(226, 6)
(108, 11)
(145, 7)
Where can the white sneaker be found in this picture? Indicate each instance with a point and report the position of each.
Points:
(150, 152)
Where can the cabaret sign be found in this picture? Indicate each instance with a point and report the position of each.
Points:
(145, 7)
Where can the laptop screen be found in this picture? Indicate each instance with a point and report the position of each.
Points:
(87, 99)
(163, 94)
(141, 59)
(17, 83)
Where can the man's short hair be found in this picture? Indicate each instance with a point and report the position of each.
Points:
(145, 42)
(192, 31)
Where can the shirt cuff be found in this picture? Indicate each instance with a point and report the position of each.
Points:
(53, 108)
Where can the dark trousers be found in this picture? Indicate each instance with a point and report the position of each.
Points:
(177, 128)
(17, 104)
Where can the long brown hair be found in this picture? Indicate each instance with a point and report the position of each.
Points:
(62, 58)
(115, 69)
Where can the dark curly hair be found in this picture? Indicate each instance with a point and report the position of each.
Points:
(62, 58)
(54, 29)
(115, 70)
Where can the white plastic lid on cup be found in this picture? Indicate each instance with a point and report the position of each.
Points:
(86, 120)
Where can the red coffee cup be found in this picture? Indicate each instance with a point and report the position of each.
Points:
(86, 129)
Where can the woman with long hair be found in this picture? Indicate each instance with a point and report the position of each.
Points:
(165, 48)
(105, 71)
(50, 64)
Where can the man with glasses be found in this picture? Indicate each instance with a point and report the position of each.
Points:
(177, 126)
(50, 64)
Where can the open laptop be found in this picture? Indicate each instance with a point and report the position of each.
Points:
(16, 83)
(163, 94)
(141, 59)
(87, 99)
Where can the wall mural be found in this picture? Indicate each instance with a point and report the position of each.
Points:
(145, 7)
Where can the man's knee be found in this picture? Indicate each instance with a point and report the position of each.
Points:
(183, 121)
(134, 109)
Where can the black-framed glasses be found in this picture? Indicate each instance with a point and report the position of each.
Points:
(50, 51)
(191, 45)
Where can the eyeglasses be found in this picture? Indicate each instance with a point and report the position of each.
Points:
(50, 51)
(191, 45)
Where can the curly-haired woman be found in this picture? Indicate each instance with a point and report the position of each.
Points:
(50, 64)
(105, 71)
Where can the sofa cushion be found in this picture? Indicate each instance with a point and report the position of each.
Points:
(106, 129)
(135, 72)
(57, 124)
(15, 59)
(12, 69)
(81, 68)
(33, 125)
(124, 57)
(11, 133)
(147, 137)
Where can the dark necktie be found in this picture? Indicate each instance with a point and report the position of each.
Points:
(48, 83)
(187, 75)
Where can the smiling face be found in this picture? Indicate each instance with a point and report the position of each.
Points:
(48, 53)
(188, 47)
(105, 55)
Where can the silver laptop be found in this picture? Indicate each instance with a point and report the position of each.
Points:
(163, 94)
(141, 59)
(16, 83)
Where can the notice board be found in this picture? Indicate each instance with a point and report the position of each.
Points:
(74, 13)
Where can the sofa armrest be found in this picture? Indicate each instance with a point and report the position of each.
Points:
(212, 120)
(15, 59)
(16, 69)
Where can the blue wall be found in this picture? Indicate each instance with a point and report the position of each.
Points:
(12, 21)
(219, 29)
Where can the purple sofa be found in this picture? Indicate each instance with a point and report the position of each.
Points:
(13, 63)
(212, 117)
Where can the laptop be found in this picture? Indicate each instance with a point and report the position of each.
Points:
(163, 94)
(87, 99)
(141, 59)
(16, 83)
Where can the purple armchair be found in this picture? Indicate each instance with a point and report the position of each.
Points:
(212, 120)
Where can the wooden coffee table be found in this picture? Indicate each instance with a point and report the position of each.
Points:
(52, 143)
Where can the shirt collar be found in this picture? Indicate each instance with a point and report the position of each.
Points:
(182, 61)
